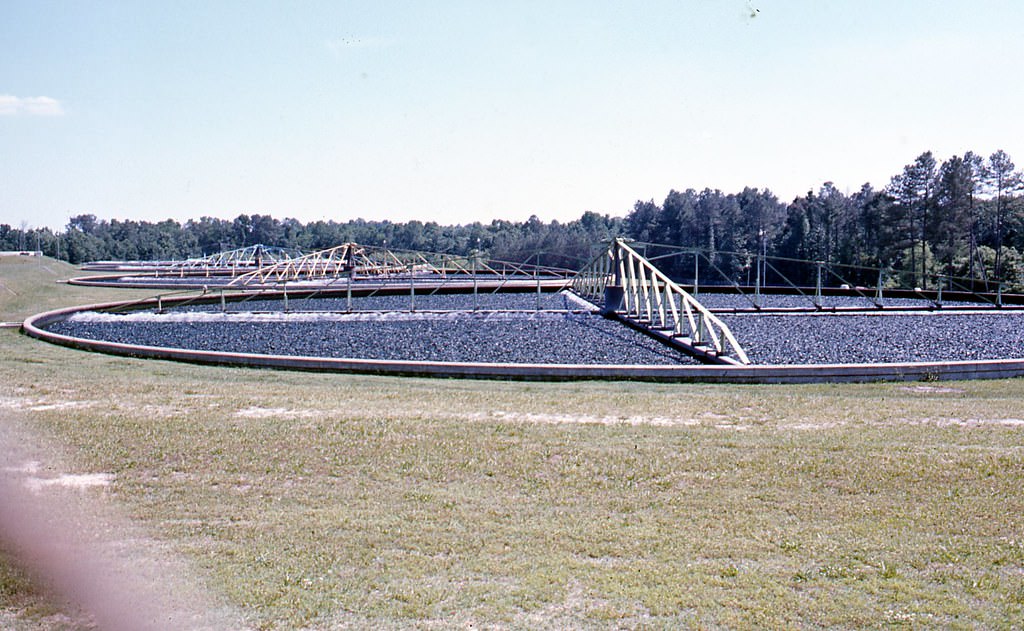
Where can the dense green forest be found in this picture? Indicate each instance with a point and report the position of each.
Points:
(963, 217)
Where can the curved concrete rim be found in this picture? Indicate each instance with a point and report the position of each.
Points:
(35, 325)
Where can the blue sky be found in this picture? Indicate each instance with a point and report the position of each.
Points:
(458, 111)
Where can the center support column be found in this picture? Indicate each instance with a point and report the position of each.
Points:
(614, 292)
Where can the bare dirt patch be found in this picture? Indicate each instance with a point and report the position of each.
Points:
(256, 412)
(27, 404)
(933, 389)
(557, 419)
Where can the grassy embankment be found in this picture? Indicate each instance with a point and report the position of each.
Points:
(331, 500)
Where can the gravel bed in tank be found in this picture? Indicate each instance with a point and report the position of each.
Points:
(879, 338)
(508, 328)
(466, 336)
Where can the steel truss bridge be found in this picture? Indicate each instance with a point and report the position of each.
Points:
(348, 267)
(225, 262)
(632, 289)
(354, 262)
(248, 257)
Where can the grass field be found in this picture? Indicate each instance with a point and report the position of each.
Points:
(302, 500)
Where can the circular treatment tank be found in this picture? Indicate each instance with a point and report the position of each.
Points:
(545, 336)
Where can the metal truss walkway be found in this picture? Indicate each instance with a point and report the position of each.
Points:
(351, 261)
(252, 256)
(628, 287)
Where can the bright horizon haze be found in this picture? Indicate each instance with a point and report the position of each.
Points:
(461, 111)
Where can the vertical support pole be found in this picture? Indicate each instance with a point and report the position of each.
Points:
(696, 272)
(223, 303)
(476, 299)
(757, 284)
(999, 294)
(286, 298)
(878, 290)
(817, 288)
(537, 276)
(614, 293)
(412, 291)
(348, 293)
(159, 304)
(939, 282)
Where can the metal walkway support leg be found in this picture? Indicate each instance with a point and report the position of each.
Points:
(817, 288)
(614, 293)
(476, 298)
(696, 273)
(878, 291)
(537, 276)
(757, 284)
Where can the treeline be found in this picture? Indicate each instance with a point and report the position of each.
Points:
(963, 218)
(569, 245)
(960, 219)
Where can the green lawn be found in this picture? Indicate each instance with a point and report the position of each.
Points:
(326, 501)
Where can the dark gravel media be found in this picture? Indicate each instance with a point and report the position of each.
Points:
(509, 328)
(540, 338)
